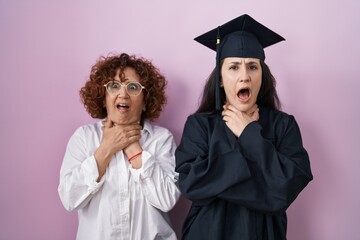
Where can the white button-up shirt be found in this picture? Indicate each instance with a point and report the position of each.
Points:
(127, 203)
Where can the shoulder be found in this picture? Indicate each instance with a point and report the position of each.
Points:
(273, 116)
(88, 129)
(84, 133)
(202, 118)
(201, 124)
(276, 124)
(156, 130)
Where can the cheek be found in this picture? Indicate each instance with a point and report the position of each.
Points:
(230, 91)
(257, 88)
(109, 104)
(229, 87)
(139, 103)
(257, 84)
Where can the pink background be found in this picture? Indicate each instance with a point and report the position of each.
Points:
(47, 49)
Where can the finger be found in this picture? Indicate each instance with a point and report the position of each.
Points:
(232, 108)
(133, 132)
(236, 111)
(129, 125)
(132, 139)
(226, 113)
(225, 106)
(134, 122)
(256, 115)
(134, 126)
(226, 118)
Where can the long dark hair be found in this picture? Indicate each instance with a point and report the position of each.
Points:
(267, 96)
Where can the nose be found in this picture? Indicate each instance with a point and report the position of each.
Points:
(122, 92)
(244, 75)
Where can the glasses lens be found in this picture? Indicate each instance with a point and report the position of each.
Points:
(113, 87)
(133, 88)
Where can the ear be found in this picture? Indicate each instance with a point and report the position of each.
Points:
(221, 84)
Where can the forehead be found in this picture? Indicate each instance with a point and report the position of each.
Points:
(126, 74)
(241, 60)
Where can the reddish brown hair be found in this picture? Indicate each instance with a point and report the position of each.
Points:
(93, 93)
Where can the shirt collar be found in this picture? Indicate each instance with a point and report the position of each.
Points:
(148, 127)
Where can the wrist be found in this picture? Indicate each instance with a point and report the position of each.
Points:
(133, 157)
(132, 149)
(102, 154)
(102, 159)
(136, 160)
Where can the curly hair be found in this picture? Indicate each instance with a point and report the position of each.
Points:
(93, 93)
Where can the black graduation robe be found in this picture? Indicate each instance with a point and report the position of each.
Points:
(240, 187)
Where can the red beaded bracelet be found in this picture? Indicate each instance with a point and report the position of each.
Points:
(136, 155)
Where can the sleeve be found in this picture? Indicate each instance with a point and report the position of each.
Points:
(253, 172)
(157, 178)
(206, 161)
(279, 173)
(78, 174)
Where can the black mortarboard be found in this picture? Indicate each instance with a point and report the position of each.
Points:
(241, 37)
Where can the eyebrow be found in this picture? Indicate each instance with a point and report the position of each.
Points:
(247, 63)
(123, 80)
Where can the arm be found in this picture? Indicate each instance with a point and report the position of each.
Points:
(156, 176)
(207, 161)
(279, 173)
(78, 174)
(86, 160)
(116, 138)
(248, 171)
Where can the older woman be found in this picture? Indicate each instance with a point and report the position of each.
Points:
(119, 172)
(241, 160)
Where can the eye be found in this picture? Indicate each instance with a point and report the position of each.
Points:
(253, 67)
(233, 67)
(115, 85)
(133, 86)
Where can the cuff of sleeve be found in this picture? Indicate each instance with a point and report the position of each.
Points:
(146, 169)
(91, 174)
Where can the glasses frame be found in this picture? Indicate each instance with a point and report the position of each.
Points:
(123, 85)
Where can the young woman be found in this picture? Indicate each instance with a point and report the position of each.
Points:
(241, 160)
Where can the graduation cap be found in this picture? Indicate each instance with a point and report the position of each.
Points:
(241, 37)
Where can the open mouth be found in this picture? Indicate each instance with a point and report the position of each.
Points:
(244, 94)
(122, 106)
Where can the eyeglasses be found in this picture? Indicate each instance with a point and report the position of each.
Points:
(132, 88)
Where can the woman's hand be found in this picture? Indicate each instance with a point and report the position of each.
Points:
(115, 138)
(237, 120)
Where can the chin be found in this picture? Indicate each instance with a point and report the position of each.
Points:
(120, 121)
(244, 107)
